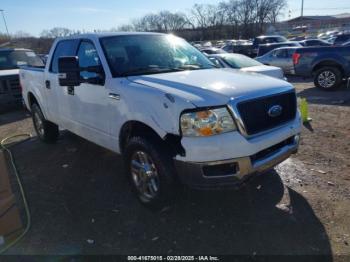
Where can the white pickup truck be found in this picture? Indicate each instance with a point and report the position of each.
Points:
(166, 108)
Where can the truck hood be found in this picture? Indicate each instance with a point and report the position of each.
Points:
(211, 87)
(265, 70)
(9, 72)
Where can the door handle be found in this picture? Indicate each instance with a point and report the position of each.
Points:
(114, 96)
(47, 84)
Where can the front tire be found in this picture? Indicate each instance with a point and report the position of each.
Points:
(46, 131)
(327, 78)
(151, 172)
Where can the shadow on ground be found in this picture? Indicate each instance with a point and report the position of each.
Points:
(13, 116)
(340, 96)
(77, 192)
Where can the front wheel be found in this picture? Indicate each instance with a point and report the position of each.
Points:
(150, 171)
(46, 131)
(328, 78)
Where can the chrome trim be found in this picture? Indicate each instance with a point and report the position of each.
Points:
(232, 105)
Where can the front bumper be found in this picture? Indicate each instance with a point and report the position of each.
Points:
(196, 175)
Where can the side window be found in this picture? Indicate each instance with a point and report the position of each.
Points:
(88, 57)
(280, 53)
(63, 48)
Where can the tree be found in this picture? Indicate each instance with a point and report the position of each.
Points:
(56, 32)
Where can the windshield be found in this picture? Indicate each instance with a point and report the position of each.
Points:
(240, 61)
(12, 59)
(151, 54)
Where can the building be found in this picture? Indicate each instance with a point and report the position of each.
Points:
(313, 25)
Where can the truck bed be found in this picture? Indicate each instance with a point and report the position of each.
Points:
(32, 78)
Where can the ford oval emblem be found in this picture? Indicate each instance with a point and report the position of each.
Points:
(275, 111)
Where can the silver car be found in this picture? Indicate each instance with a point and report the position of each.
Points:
(246, 64)
(281, 57)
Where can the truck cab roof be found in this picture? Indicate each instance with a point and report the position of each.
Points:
(106, 34)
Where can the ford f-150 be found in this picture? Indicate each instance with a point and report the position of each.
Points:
(166, 108)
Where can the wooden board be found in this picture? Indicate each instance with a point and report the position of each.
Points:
(10, 222)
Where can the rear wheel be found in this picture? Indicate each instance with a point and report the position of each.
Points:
(150, 171)
(328, 78)
(46, 131)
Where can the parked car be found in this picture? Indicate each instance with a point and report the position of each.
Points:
(269, 39)
(212, 50)
(166, 108)
(341, 39)
(329, 66)
(10, 61)
(263, 49)
(314, 42)
(281, 57)
(246, 64)
(244, 49)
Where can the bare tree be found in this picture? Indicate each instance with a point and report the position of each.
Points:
(56, 32)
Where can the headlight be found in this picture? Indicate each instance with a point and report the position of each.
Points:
(206, 123)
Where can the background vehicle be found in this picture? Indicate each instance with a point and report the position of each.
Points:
(244, 49)
(328, 65)
(260, 40)
(341, 38)
(245, 64)
(281, 57)
(314, 42)
(168, 110)
(263, 49)
(212, 50)
(10, 61)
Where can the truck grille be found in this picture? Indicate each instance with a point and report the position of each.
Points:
(256, 118)
(14, 84)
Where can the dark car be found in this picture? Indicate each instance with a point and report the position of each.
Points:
(10, 61)
(328, 65)
(243, 49)
(341, 39)
(267, 39)
(314, 42)
(263, 49)
(212, 51)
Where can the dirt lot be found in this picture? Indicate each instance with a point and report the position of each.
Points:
(81, 204)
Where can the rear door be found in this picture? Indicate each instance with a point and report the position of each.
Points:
(280, 58)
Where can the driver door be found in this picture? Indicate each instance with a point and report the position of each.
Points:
(88, 103)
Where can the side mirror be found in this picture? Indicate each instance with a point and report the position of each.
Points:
(69, 71)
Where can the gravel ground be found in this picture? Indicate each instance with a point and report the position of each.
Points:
(81, 204)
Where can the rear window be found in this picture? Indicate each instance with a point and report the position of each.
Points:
(13, 59)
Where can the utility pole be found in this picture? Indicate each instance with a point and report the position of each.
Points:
(302, 8)
(3, 17)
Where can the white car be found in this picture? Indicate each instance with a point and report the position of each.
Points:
(245, 64)
(171, 114)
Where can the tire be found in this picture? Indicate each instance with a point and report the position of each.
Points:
(46, 131)
(328, 78)
(158, 167)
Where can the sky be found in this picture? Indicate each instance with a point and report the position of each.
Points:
(33, 16)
